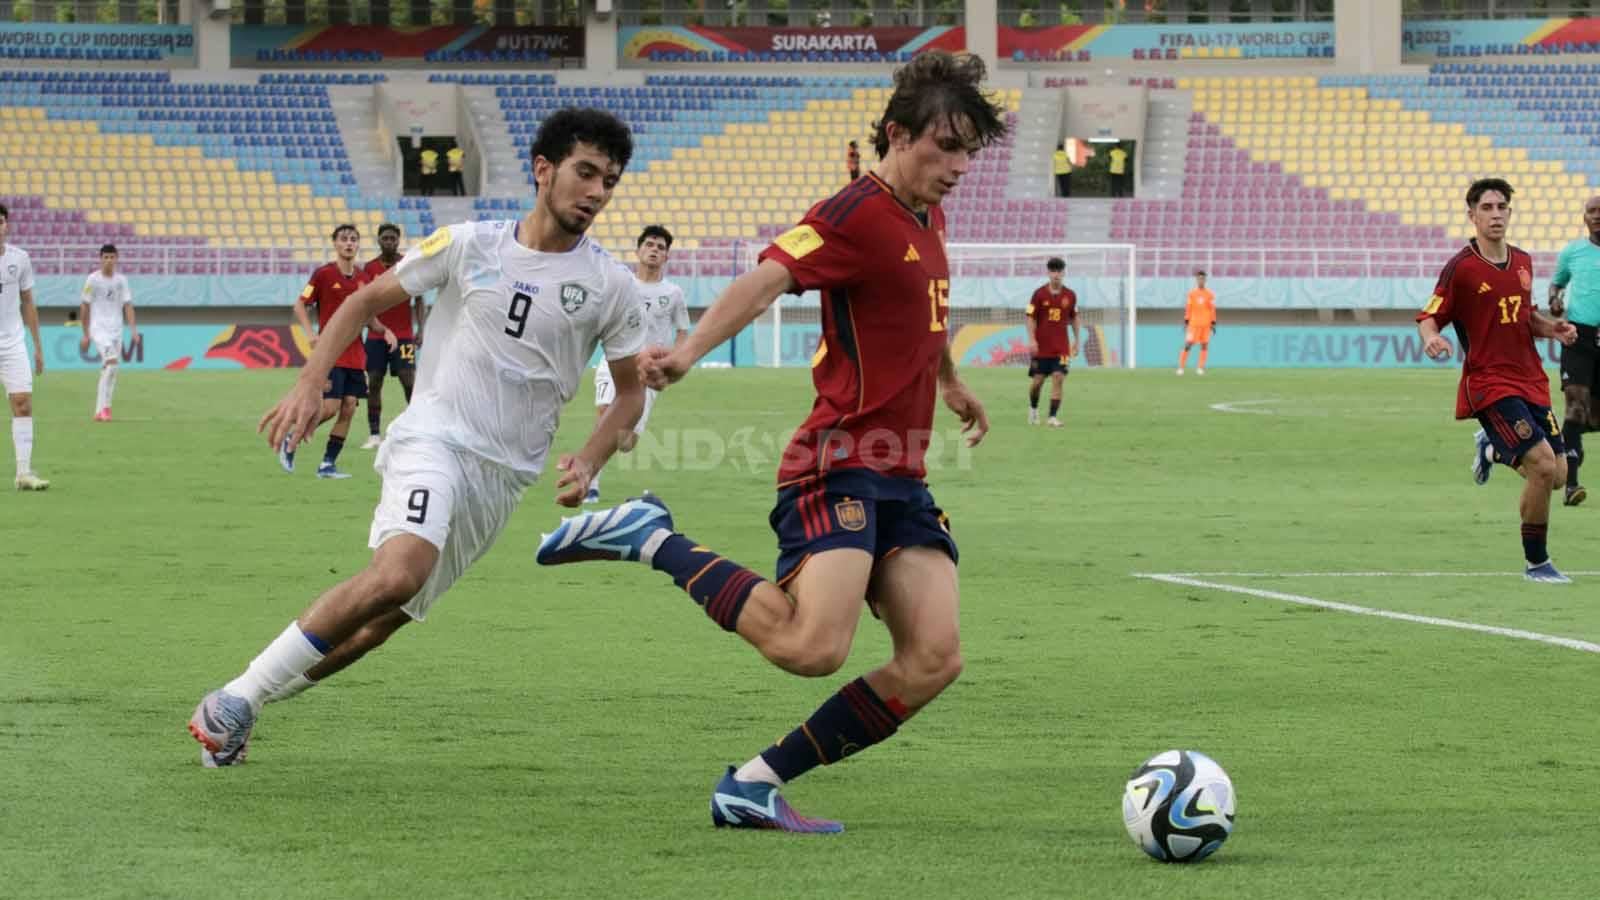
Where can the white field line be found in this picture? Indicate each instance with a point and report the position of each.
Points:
(1501, 574)
(1246, 406)
(1516, 633)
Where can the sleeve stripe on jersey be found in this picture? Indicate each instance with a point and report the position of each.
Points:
(834, 210)
(843, 214)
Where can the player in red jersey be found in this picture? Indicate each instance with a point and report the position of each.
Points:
(391, 338)
(854, 517)
(1486, 292)
(330, 284)
(1051, 311)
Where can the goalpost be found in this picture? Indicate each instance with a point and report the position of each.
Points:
(990, 286)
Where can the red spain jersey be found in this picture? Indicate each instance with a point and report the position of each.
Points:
(1051, 313)
(396, 318)
(327, 291)
(885, 286)
(1491, 306)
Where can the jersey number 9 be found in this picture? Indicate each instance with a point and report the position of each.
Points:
(520, 304)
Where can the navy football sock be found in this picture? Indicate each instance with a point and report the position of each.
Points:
(1573, 432)
(1055, 406)
(1033, 397)
(720, 586)
(335, 444)
(1533, 542)
(849, 722)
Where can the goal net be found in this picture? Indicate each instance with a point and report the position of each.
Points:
(990, 285)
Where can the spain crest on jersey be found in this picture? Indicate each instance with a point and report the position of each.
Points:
(1526, 277)
(851, 515)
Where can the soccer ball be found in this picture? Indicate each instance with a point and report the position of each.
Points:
(1178, 806)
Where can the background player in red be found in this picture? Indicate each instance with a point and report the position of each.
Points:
(1051, 310)
(1486, 292)
(854, 517)
(391, 338)
(330, 284)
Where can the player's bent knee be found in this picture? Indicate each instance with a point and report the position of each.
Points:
(397, 582)
(22, 404)
(813, 658)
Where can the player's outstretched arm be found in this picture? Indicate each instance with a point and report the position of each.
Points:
(1560, 329)
(744, 300)
(961, 400)
(615, 424)
(297, 413)
(133, 322)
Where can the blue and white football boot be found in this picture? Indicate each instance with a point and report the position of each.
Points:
(631, 531)
(756, 804)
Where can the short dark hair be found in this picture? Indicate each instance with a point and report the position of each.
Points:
(345, 227)
(388, 227)
(940, 85)
(654, 231)
(1200, 272)
(566, 128)
(4, 213)
(108, 248)
(1483, 186)
(1056, 264)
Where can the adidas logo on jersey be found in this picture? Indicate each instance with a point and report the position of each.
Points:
(912, 255)
(1483, 288)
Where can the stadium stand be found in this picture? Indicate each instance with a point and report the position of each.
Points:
(142, 158)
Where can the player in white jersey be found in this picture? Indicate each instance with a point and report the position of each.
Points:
(666, 321)
(520, 308)
(107, 300)
(16, 375)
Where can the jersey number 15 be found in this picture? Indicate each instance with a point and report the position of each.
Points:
(938, 298)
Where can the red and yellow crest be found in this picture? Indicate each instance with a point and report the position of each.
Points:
(1524, 430)
(1526, 277)
(850, 514)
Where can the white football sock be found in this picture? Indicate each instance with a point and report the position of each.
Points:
(594, 483)
(287, 657)
(108, 385)
(22, 439)
(758, 770)
(299, 685)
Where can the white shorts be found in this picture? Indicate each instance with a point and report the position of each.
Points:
(456, 501)
(109, 347)
(16, 371)
(605, 394)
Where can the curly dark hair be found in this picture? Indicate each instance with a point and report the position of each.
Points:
(939, 85)
(1483, 186)
(565, 128)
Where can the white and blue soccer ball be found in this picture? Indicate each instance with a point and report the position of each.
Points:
(1178, 806)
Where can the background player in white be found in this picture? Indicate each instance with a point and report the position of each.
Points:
(666, 321)
(107, 299)
(519, 310)
(16, 375)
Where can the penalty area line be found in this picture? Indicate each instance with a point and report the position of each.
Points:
(1302, 600)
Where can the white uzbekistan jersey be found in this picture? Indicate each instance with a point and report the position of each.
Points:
(664, 312)
(106, 297)
(510, 334)
(16, 276)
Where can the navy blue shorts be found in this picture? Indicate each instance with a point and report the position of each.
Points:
(343, 383)
(380, 360)
(1049, 365)
(1516, 426)
(856, 508)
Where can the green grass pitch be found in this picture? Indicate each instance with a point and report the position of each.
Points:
(556, 733)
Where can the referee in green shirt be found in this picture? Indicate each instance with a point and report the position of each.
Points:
(1575, 292)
